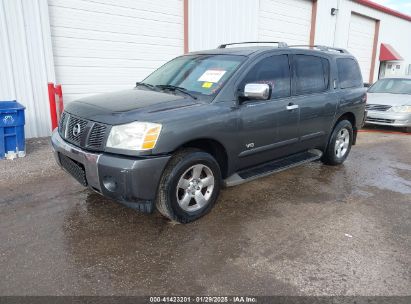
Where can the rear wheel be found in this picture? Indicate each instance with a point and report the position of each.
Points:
(189, 186)
(339, 145)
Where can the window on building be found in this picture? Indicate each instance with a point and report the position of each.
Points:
(349, 73)
(397, 66)
(311, 74)
(274, 71)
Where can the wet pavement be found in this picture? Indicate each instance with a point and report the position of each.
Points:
(311, 230)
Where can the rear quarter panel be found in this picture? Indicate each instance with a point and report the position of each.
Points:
(353, 101)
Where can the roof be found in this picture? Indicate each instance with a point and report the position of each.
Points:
(384, 9)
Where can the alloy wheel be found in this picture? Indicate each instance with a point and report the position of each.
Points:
(342, 143)
(195, 188)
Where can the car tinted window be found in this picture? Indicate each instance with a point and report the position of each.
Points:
(311, 74)
(274, 71)
(349, 73)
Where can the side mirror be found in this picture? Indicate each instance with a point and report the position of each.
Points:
(260, 91)
(367, 85)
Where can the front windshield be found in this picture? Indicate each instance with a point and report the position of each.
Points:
(198, 74)
(393, 86)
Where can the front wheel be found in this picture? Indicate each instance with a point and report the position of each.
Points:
(339, 145)
(189, 186)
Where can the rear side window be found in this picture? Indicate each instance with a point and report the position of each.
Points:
(349, 73)
(274, 71)
(311, 74)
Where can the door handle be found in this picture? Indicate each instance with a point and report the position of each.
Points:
(291, 106)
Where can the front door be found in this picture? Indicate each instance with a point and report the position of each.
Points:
(268, 128)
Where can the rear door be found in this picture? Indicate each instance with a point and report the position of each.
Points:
(316, 98)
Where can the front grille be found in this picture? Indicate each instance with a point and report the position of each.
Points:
(74, 168)
(63, 121)
(83, 133)
(97, 135)
(377, 107)
(75, 129)
(371, 119)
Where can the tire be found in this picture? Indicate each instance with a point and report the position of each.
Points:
(189, 186)
(342, 136)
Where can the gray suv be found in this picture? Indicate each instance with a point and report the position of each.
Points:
(210, 119)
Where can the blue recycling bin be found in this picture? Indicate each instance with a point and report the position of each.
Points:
(12, 122)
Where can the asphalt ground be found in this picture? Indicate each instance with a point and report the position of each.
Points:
(310, 230)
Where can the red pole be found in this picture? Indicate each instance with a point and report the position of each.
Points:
(52, 101)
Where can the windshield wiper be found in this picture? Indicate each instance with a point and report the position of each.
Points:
(175, 88)
(147, 85)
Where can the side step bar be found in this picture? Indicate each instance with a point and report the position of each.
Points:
(271, 167)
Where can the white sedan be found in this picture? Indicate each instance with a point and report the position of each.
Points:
(389, 103)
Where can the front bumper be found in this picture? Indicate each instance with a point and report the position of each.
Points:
(389, 119)
(133, 181)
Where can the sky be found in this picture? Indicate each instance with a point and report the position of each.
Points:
(403, 6)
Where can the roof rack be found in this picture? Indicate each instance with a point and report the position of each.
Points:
(279, 43)
(322, 48)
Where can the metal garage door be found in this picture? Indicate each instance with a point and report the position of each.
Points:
(214, 22)
(285, 20)
(107, 45)
(361, 41)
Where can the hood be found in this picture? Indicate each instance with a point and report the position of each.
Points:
(388, 99)
(126, 106)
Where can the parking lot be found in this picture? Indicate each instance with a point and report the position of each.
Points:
(311, 230)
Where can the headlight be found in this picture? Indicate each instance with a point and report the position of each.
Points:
(137, 136)
(401, 109)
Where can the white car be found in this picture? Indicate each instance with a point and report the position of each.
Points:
(389, 103)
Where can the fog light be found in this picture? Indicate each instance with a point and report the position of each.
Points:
(109, 183)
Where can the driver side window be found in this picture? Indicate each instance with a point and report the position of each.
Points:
(274, 71)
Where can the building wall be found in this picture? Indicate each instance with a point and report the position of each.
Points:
(392, 30)
(285, 20)
(214, 22)
(26, 61)
(107, 45)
